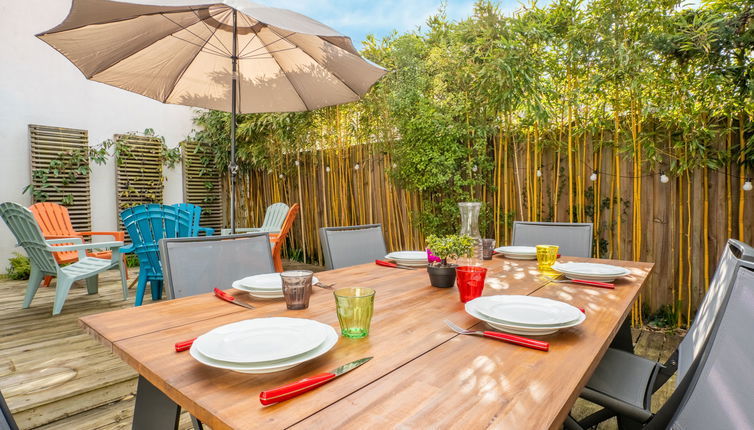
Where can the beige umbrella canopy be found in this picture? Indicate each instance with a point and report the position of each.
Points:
(190, 54)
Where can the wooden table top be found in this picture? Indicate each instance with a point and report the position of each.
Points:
(422, 374)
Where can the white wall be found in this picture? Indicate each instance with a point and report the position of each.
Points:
(40, 86)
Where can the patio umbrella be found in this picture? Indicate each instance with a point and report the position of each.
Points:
(229, 55)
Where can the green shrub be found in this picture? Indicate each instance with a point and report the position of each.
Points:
(451, 246)
(132, 260)
(20, 267)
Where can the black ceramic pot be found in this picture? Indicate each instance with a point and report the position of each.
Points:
(442, 276)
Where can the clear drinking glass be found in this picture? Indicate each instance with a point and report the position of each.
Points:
(546, 256)
(354, 307)
(470, 227)
(297, 288)
(488, 245)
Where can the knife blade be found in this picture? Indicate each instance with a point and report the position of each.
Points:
(231, 299)
(293, 389)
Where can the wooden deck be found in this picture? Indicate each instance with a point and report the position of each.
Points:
(54, 376)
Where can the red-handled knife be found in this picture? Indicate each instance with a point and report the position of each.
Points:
(185, 345)
(389, 264)
(292, 390)
(231, 299)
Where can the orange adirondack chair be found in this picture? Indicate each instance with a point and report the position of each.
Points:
(277, 239)
(55, 223)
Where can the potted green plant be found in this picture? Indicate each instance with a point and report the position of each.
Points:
(442, 273)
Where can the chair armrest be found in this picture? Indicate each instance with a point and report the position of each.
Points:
(81, 248)
(117, 235)
(65, 240)
(128, 249)
(274, 237)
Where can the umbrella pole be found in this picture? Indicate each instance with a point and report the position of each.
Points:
(233, 167)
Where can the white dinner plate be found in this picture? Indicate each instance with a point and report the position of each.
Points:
(518, 252)
(261, 339)
(518, 329)
(526, 310)
(263, 282)
(408, 256)
(270, 366)
(590, 271)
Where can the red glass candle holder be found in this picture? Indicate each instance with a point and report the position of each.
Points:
(470, 280)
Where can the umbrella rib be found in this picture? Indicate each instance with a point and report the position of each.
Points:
(258, 56)
(323, 66)
(274, 41)
(180, 75)
(245, 18)
(215, 31)
(188, 9)
(196, 35)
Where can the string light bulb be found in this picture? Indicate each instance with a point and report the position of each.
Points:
(395, 165)
(664, 178)
(747, 185)
(539, 173)
(474, 168)
(593, 177)
(281, 176)
(327, 169)
(357, 166)
(297, 163)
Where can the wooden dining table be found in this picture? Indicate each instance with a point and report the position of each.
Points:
(423, 374)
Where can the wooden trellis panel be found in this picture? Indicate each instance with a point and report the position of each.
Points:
(47, 144)
(138, 175)
(202, 184)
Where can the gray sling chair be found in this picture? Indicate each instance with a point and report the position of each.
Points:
(623, 383)
(6, 419)
(716, 390)
(349, 246)
(574, 239)
(195, 265)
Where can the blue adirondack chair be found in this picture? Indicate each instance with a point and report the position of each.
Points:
(196, 215)
(25, 228)
(146, 225)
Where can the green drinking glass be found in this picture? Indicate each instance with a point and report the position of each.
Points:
(354, 307)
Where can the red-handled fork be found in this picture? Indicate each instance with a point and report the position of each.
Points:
(230, 299)
(510, 338)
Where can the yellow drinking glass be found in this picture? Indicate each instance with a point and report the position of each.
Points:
(546, 256)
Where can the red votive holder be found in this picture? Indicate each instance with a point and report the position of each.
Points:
(470, 280)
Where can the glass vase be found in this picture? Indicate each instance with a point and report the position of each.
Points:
(470, 227)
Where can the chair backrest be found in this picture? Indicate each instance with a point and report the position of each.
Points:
(24, 227)
(54, 220)
(574, 239)
(349, 246)
(734, 254)
(720, 394)
(195, 265)
(6, 419)
(274, 217)
(195, 214)
(286, 228)
(147, 224)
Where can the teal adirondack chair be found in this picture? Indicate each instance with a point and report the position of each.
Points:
(273, 220)
(40, 251)
(196, 216)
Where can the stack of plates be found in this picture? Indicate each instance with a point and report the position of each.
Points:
(590, 271)
(408, 258)
(518, 252)
(263, 345)
(265, 286)
(525, 315)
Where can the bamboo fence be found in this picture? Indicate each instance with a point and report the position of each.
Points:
(681, 225)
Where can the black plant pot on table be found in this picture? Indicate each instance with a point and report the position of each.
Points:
(442, 276)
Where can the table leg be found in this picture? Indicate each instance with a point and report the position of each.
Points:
(623, 339)
(154, 410)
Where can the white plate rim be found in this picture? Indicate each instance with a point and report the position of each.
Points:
(565, 306)
(270, 367)
(619, 271)
(508, 250)
(318, 337)
(529, 330)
